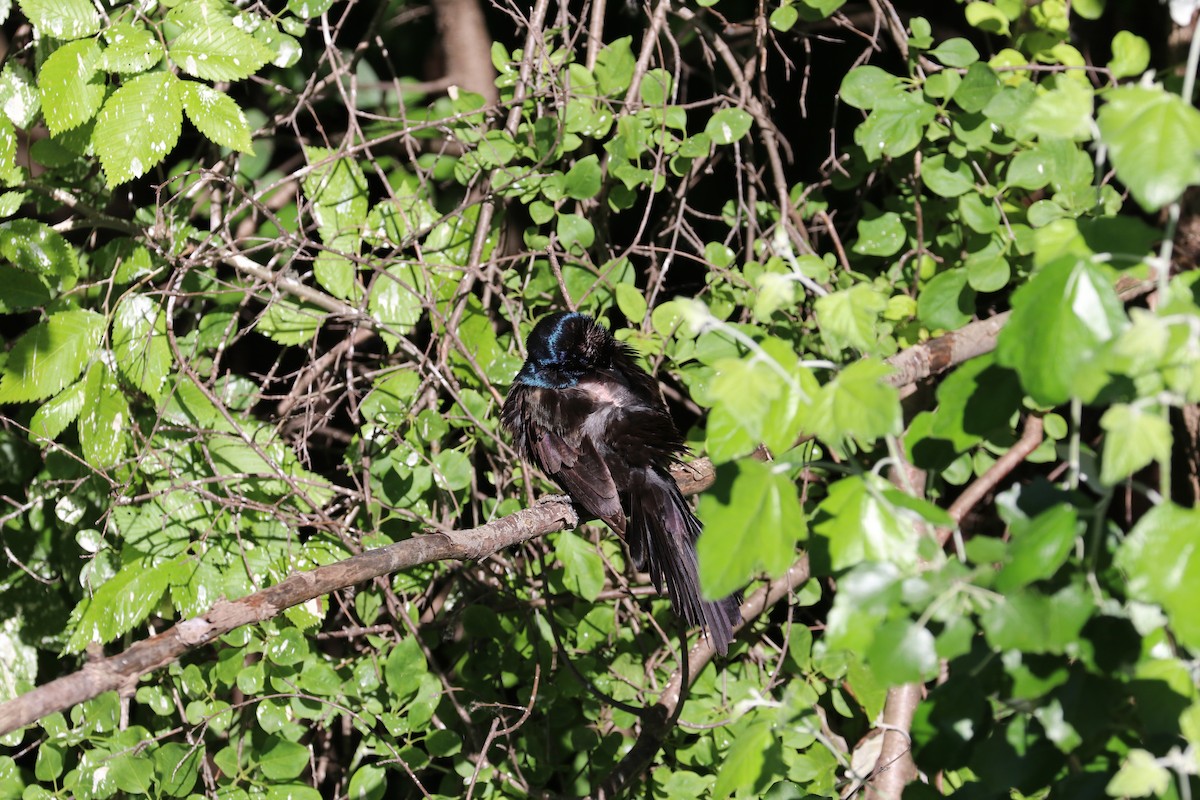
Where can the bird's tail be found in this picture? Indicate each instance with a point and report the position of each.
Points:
(662, 536)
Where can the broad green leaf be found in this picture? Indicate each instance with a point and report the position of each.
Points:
(177, 766)
(614, 67)
(452, 470)
(632, 303)
(139, 124)
(975, 401)
(1153, 140)
(337, 188)
(218, 51)
(956, 52)
(849, 317)
(856, 405)
(215, 115)
(22, 290)
(120, 603)
(1161, 560)
(368, 783)
(986, 17)
(308, 9)
(728, 125)
(19, 96)
(133, 773)
(62, 19)
(397, 299)
(36, 247)
(1033, 622)
(50, 356)
(140, 343)
(978, 87)
(903, 652)
(1140, 775)
(404, 667)
(1131, 55)
(1039, 547)
(583, 570)
(862, 524)
(289, 322)
(104, 423)
(1136, 436)
(53, 417)
(867, 85)
(131, 49)
(282, 760)
(71, 88)
(752, 521)
(1061, 318)
(895, 126)
(1064, 112)
(582, 181)
(883, 235)
(575, 232)
(947, 176)
(742, 766)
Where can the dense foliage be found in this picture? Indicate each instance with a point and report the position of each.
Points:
(277, 335)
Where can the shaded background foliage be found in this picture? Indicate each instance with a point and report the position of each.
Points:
(266, 270)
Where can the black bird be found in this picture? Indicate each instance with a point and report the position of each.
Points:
(584, 411)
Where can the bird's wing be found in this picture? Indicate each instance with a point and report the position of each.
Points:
(549, 428)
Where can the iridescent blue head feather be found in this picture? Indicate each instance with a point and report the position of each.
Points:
(561, 348)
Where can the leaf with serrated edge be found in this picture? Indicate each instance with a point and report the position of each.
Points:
(120, 603)
(50, 356)
(216, 115)
(62, 19)
(70, 91)
(138, 127)
(218, 51)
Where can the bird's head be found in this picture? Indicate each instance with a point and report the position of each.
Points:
(562, 348)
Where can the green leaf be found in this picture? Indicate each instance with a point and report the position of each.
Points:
(50, 356)
(177, 766)
(614, 67)
(947, 176)
(139, 124)
(1161, 559)
(857, 405)
(404, 669)
(1039, 547)
(850, 316)
(631, 302)
(1131, 55)
(903, 652)
(986, 17)
(53, 417)
(956, 52)
(1064, 112)
(976, 401)
(452, 470)
(742, 766)
(216, 115)
(865, 86)
(575, 232)
(396, 299)
(1036, 623)
(62, 19)
(882, 236)
(216, 50)
(36, 247)
(583, 569)
(1153, 139)
(120, 603)
(337, 188)
(140, 343)
(281, 760)
(582, 181)
(1136, 437)
(19, 96)
(71, 88)
(728, 125)
(752, 521)
(289, 322)
(105, 422)
(1140, 776)
(978, 86)
(1060, 320)
(131, 49)
(895, 126)
(862, 524)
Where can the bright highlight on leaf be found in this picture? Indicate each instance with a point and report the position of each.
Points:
(138, 126)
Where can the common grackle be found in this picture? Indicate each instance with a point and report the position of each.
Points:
(584, 411)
